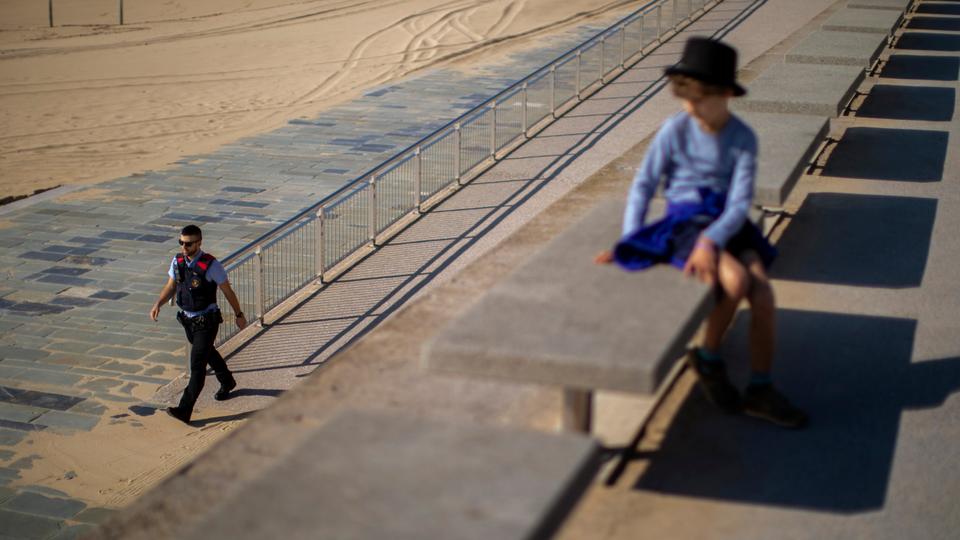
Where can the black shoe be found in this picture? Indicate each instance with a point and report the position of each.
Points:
(714, 382)
(764, 401)
(177, 413)
(224, 391)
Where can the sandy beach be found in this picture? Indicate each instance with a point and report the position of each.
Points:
(90, 100)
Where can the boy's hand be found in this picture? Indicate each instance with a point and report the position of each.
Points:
(604, 257)
(703, 262)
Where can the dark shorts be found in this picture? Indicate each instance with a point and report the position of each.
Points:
(748, 238)
(672, 240)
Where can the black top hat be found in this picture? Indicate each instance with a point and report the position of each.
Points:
(709, 61)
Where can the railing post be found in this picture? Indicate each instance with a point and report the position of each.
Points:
(603, 57)
(674, 26)
(418, 181)
(260, 287)
(373, 210)
(50, 11)
(121, 12)
(458, 139)
(643, 22)
(320, 241)
(623, 44)
(579, 52)
(659, 22)
(493, 131)
(524, 110)
(553, 89)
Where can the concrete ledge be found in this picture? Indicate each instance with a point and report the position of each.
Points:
(898, 5)
(560, 319)
(383, 476)
(838, 48)
(787, 144)
(871, 21)
(818, 89)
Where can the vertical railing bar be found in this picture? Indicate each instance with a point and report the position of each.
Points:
(579, 52)
(372, 201)
(623, 44)
(523, 120)
(121, 12)
(493, 131)
(458, 138)
(643, 22)
(418, 180)
(258, 285)
(660, 23)
(603, 58)
(553, 90)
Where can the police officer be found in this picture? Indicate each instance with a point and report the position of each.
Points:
(194, 278)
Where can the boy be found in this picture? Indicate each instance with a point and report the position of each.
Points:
(708, 157)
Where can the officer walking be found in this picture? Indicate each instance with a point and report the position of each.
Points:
(194, 278)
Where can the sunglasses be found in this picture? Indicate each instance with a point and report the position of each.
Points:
(187, 244)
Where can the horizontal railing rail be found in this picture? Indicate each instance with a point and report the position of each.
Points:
(356, 217)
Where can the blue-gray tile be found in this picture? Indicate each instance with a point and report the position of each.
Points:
(34, 398)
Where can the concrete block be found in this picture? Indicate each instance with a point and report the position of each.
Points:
(787, 144)
(896, 5)
(872, 21)
(561, 319)
(839, 48)
(370, 476)
(817, 89)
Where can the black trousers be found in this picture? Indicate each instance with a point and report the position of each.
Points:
(201, 332)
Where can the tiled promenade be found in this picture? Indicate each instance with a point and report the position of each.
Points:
(80, 268)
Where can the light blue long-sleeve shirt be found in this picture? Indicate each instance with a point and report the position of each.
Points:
(690, 158)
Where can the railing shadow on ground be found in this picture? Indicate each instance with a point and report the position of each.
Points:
(858, 240)
(853, 374)
(390, 301)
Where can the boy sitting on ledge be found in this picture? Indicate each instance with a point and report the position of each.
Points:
(707, 157)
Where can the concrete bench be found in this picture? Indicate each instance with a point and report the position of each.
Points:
(871, 21)
(897, 5)
(838, 48)
(787, 144)
(559, 319)
(818, 89)
(375, 476)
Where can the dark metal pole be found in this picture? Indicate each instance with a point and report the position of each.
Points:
(50, 10)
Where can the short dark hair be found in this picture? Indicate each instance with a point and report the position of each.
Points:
(191, 230)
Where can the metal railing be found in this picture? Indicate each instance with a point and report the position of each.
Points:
(306, 247)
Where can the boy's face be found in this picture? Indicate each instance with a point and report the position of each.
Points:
(697, 96)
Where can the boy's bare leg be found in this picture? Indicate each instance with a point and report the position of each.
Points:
(734, 282)
(763, 314)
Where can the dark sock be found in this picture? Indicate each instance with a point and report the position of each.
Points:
(760, 378)
(710, 361)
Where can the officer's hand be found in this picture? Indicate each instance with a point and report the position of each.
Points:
(155, 312)
(241, 322)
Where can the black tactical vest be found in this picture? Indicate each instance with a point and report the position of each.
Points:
(194, 292)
